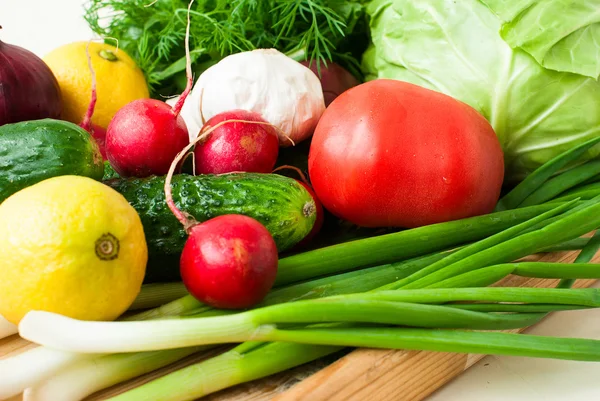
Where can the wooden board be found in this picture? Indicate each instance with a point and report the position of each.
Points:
(363, 374)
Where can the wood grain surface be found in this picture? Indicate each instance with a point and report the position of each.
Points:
(352, 375)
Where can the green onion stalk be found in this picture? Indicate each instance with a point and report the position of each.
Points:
(506, 272)
(190, 384)
(33, 368)
(328, 261)
(320, 262)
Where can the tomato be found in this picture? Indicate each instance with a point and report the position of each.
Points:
(392, 154)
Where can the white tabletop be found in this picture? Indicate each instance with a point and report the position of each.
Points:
(42, 25)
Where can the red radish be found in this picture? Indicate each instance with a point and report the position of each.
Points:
(320, 217)
(229, 262)
(237, 146)
(145, 135)
(143, 138)
(335, 79)
(99, 134)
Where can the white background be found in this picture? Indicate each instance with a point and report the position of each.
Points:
(42, 25)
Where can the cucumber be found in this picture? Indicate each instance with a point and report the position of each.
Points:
(33, 151)
(281, 204)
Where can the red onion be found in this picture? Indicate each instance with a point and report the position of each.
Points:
(28, 89)
(334, 79)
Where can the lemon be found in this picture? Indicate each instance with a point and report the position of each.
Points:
(70, 245)
(118, 80)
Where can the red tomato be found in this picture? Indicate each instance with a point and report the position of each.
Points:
(392, 154)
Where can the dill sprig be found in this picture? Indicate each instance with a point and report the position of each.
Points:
(153, 33)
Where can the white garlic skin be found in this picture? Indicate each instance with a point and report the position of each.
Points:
(284, 92)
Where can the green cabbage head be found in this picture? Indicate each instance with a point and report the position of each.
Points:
(530, 67)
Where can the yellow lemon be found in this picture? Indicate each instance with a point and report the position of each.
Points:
(118, 80)
(70, 245)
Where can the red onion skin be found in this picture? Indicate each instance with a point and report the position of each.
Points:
(28, 88)
(335, 79)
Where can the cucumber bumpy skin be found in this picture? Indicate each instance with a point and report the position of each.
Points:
(281, 204)
(32, 151)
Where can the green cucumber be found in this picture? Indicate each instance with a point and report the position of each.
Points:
(33, 151)
(281, 204)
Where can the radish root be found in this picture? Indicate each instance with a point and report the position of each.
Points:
(188, 66)
(294, 168)
(86, 124)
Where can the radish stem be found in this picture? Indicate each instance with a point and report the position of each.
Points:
(86, 124)
(188, 66)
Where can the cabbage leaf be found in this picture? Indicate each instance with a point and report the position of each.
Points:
(455, 47)
(562, 35)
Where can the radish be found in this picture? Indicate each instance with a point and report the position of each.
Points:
(229, 262)
(237, 146)
(334, 78)
(145, 135)
(97, 132)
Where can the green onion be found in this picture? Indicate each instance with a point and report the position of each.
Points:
(571, 226)
(399, 246)
(239, 365)
(31, 367)
(557, 270)
(586, 255)
(89, 375)
(449, 341)
(153, 295)
(399, 307)
(583, 195)
(174, 308)
(477, 278)
(562, 182)
(571, 245)
(473, 249)
(581, 297)
(535, 180)
(517, 308)
(37, 366)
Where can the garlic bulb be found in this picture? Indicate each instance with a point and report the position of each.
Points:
(284, 92)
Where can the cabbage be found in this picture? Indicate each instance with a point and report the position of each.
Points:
(457, 48)
(562, 35)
